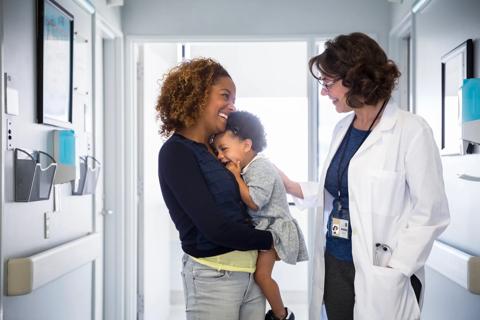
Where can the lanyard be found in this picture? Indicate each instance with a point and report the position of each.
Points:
(341, 173)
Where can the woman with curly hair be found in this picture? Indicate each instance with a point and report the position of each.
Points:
(203, 197)
(381, 191)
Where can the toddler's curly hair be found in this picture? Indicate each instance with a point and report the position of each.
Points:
(246, 125)
(185, 92)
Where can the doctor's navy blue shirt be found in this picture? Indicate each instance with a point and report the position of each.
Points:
(341, 248)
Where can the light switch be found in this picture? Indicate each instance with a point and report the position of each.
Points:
(12, 102)
(11, 97)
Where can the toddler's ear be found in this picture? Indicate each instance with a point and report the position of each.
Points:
(247, 145)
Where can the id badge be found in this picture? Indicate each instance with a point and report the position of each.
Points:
(339, 228)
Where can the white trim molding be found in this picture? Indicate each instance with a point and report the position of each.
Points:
(114, 3)
(403, 27)
(420, 5)
(130, 195)
(86, 5)
(116, 281)
(398, 52)
(109, 31)
(2, 158)
(462, 268)
(313, 104)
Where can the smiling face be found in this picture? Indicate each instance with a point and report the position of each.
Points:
(337, 92)
(229, 147)
(220, 104)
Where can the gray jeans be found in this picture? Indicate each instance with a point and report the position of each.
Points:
(218, 295)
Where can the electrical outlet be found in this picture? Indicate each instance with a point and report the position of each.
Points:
(89, 143)
(10, 135)
(46, 225)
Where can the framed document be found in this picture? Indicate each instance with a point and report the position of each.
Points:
(457, 65)
(54, 64)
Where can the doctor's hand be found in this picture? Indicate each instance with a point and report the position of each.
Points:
(292, 187)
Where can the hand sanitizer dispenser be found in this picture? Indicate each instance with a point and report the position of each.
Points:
(64, 153)
(471, 111)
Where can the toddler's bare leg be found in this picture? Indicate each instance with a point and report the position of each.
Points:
(263, 277)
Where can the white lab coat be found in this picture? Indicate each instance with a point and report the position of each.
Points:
(396, 197)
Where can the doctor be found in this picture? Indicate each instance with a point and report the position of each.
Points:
(381, 191)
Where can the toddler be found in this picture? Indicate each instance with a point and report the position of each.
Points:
(262, 190)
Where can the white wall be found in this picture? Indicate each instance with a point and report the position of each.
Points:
(113, 15)
(71, 296)
(399, 11)
(23, 229)
(255, 18)
(440, 27)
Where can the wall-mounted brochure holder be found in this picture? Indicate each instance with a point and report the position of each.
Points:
(89, 172)
(34, 174)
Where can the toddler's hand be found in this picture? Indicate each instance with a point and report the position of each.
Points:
(234, 167)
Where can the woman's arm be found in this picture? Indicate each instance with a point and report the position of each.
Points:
(183, 184)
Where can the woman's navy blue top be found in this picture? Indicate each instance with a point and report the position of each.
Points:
(204, 201)
(341, 248)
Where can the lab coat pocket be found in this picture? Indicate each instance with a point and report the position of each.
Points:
(388, 192)
(391, 295)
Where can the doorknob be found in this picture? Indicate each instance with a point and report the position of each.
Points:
(106, 212)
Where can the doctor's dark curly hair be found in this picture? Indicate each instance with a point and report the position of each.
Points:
(246, 125)
(362, 66)
(185, 92)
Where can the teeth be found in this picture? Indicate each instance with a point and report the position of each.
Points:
(223, 115)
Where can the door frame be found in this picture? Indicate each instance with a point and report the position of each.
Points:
(404, 56)
(2, 157)
(131, 227)
(111, 294)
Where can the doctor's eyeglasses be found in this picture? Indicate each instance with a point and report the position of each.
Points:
(327, 83)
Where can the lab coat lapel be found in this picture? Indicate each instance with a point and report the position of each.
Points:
(387, 121)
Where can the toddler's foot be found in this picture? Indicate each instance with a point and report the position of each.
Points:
(288, 315)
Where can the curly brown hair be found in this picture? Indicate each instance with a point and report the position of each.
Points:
(185, 92)
(361, 64)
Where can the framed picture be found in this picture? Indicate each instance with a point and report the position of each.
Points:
(54, 64)
(457, 65)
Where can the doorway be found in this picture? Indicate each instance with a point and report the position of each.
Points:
(272, 82)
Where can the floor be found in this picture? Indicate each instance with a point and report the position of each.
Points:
(177, 312)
